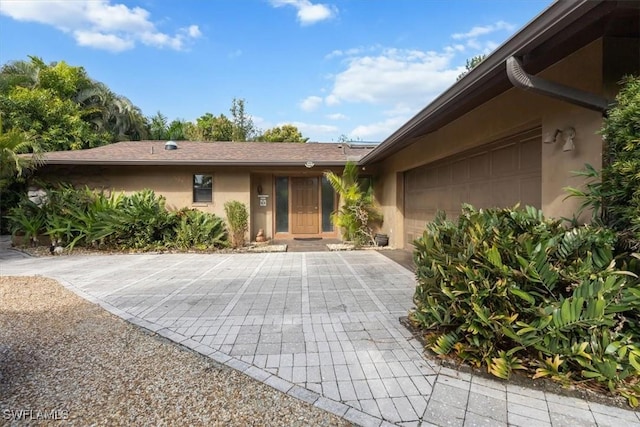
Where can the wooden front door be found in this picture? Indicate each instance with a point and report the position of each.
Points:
(304, 205)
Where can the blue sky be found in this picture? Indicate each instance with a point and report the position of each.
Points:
(359, 68)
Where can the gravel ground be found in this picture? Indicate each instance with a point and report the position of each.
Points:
(64, 356)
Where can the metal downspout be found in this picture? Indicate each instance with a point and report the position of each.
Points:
(519, 78)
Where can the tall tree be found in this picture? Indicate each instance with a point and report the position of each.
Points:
(178, 129)
(158, 126)
(243, 127)
(112, 113)
(211, 128)
(284, 133)
(61, 108)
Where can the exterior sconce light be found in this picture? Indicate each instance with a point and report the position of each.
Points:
(550, 137)
(566, 135)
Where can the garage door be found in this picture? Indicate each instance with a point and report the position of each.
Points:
(499, 174)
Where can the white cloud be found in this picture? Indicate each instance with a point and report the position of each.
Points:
(99, 23)
(309, 128)
(308, 13)
(379, 130)
(332, 100)
(400, 81)
(475, 32)
(337, 116)
(394, 77)
(311, 103)
(404, 77)
(109, 42)
(470, 38)
(490, 46)
(193, 31)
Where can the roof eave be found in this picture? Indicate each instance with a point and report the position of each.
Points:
(520, 43)
(92, 162)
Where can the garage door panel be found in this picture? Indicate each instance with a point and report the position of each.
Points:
(530, 155)
(479, 166)
(430, 178)
(460, 172)
(499, 174)
(505, 161)
(530, 191)
(459, 195)
(478, 192)
(444, 175)
(505, 192)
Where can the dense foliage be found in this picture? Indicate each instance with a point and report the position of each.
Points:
(509, 289)
(613, 194)
(82, 217)
(358, 215)
(61, 108)
(238, 219)
(284, 133)
(12, 165)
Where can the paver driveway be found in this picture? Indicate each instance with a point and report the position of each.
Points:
(319, 326)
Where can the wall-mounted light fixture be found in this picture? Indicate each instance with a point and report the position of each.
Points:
(565, 135)
(309, 164)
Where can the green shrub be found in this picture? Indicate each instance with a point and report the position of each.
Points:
(509, 289)
(613, 194)
(200, 230)
(238, 219)
(28, 220)
(357, 215)
(79, 216)
(83, 217)
(142, 221)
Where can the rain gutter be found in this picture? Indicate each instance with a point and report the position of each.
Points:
(520, 79)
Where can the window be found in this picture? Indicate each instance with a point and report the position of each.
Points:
(282, 204)
(328, 204)
(202, 188)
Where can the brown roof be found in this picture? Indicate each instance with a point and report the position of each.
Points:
(212, 153)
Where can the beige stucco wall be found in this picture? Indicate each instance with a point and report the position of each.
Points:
(262, 216)
(513, 111)
(174, 183)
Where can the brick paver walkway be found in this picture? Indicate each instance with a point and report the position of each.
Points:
(322, 327)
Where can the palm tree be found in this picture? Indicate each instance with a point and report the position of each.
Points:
(158, 126)
(357, 215)
(112, 113)
(20, 73)
(103, 109)
(13, 166)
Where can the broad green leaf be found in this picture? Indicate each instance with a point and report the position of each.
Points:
(523, 295)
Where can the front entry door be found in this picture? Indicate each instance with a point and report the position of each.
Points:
(304, 205)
